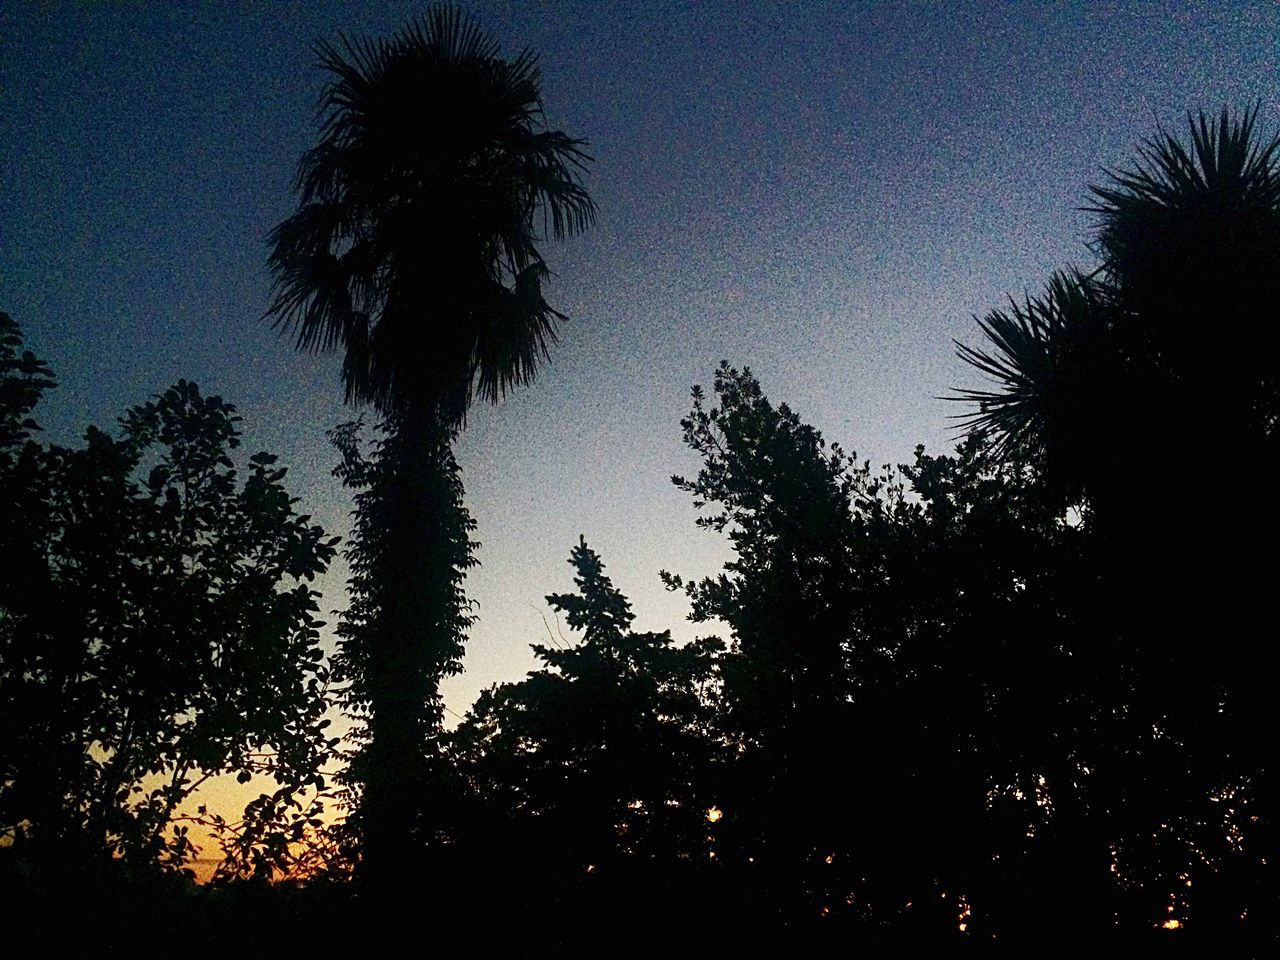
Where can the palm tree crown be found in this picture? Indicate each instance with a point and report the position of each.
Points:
(1189, 240)
(413, 248)
(1172, 340)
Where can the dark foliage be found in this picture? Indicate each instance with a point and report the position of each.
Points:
(1112, 386)
(589, 788)
(1189, 240)
(156, 625)
(1169, 343)
(605, 755)
(945, 718)
(1057, 375)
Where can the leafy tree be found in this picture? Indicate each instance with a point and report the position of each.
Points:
(414, 251)
(601, 766)
(278, 839)
(910, 686)
(157, 628)
(997, 695)
(785, 500)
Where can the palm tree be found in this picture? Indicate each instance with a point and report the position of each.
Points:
(1116, 385)
(414, 252)
(1189, 240)
(1170, 340)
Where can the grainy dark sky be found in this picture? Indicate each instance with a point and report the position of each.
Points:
(824, 192)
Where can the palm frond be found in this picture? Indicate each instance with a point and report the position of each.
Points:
(514, 335)
(1189, 237)
(1172, 336)
(448, 34)
(1043, 353)
(1178, 202)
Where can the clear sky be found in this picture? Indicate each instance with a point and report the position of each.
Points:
(826, 193)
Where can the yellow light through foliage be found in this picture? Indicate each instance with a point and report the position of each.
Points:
(1172, 924)
(714, 815)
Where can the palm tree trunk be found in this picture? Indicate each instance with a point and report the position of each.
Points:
(417, 554)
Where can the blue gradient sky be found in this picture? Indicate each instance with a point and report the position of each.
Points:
(826, 193)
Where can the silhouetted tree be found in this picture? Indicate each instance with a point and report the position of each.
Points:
(998, 685)
(914, 690)
(157, 628)
(784, 499)
(1111, 384)
(1122, 359)
(600, 768)
(414, 248)
(1189, 241)
(414, 251)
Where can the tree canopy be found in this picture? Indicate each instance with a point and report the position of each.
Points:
(157, 622)
(1013, 691)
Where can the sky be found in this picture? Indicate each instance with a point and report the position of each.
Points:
(826, 193)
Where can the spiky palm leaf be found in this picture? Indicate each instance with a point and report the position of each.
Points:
(1189, 238)
(1179, 202)
(414, 246)
(1047, 360)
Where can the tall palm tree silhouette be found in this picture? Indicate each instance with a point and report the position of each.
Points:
(414, 252)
